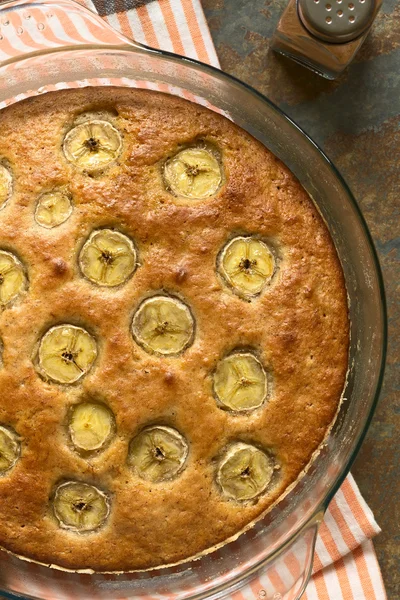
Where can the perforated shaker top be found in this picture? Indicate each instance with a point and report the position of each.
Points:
(336, 21)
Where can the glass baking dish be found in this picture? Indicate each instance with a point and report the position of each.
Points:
(45, 46)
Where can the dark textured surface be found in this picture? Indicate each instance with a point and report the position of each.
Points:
(108, 7)
(356, 120)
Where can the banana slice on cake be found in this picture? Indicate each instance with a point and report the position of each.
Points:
(108, 258)
(53, 208)
(93, 145)
(158, 453)
(163, 325)
(5, 185)
(12, 278)
(10, 449)
(91, 426)
(193, 173)
(66, 353)
(240, 382)
(247, 265)
(80, 506)
(244, 472)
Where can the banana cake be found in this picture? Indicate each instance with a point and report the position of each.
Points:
(173, 324)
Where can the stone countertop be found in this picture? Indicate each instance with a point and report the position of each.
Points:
(356, 121)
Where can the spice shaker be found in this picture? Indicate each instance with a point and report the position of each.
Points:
(324, 35)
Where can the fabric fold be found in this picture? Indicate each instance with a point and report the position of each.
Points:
(348, 523)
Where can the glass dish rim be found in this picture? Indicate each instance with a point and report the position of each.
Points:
(335, 484)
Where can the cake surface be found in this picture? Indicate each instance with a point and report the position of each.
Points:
(166, 390)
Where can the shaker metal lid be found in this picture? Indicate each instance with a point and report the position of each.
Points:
(336, 21)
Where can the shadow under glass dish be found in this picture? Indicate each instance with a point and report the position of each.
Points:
(291, 528)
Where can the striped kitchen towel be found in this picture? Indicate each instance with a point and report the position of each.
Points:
(345, 563)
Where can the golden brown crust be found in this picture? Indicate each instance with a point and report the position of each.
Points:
(298, 327)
